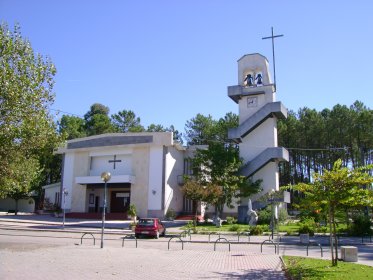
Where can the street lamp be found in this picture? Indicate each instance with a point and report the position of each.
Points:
(272, 200)
(105, 176)
(64, 193)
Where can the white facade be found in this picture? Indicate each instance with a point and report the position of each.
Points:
(144, 168)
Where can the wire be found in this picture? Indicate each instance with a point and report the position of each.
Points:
(316, 149)
(60, 111)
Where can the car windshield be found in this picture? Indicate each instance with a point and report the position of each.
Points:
(143, 222)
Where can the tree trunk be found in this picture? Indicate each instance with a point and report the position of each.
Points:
(195, 208)
(336, 241)
(331, 234)
(16, 208)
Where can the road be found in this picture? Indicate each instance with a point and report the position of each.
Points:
(42, 250)
(60, 255)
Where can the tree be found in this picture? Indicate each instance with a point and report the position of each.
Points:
(217, 168)
(336, 189)
(126, 121)
(315, 140)
(97, 120)
(26, 127)
(200, 130)
(71, 127)
(178, 136)
(24, 171)
(159, 128)
(198, 191)
(156, 128)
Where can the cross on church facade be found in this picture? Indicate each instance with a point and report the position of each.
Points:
(115, 160)
(273, 53)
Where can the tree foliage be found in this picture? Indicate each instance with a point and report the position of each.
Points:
(26, 92)
(337, 189)
(71, 127)
(201, 130)
(216, 179)
(126, 121)
(315, 140)
(97, 120)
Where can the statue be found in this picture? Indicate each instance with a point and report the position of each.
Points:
(252, 215)
(259, 79)
(249, 80)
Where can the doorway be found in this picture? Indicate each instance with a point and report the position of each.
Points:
(120, 201)
(97, 201)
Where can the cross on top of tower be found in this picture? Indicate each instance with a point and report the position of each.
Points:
(273, 53)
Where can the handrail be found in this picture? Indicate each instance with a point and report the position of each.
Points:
(185, 233)
(261, 246)
(215, 233)
(128, 236)
(81, 239)
(182, 242)
(316, 244)
(367, 235)
(222, 239)
(243, 233)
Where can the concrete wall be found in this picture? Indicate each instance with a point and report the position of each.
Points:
(155, 178)
(24, 205)
(262, 137)
(50, 192)
(139, 189)
(100, 162)
(174, 168)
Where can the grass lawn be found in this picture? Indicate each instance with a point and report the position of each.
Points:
(213, 228)
(310, 269)
(289, 228)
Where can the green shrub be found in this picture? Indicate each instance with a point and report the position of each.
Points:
(256, 230)
(132, 212)
(171, 214)
(307, 226)
(361, 225)
(323, 229)
(265, 227)
(231, 220)
(282, 215)
(264, 216)
(234, 227)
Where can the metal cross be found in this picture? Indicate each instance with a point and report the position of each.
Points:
(115, 160)
(273, 53)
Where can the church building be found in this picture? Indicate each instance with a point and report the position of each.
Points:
(145, 169)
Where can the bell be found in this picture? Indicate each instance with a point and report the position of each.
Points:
(259, 79)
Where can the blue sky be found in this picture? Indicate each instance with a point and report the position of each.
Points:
(169, 60)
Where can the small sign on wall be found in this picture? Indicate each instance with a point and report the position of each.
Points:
(287, 197)
(122, 195)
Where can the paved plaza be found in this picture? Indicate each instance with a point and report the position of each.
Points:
(36, 247)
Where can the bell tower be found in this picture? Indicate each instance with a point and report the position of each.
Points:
(257, 131)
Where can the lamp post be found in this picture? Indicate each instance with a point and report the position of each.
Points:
(271, 199)
(64, 193)
(105, 176)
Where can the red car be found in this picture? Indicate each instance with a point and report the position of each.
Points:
(150, 227)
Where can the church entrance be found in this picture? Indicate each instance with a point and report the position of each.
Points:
(119, 201)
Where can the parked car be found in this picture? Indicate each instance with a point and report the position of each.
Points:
(150, 227)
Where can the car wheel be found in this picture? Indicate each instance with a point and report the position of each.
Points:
(137, 235)
(157, 235)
